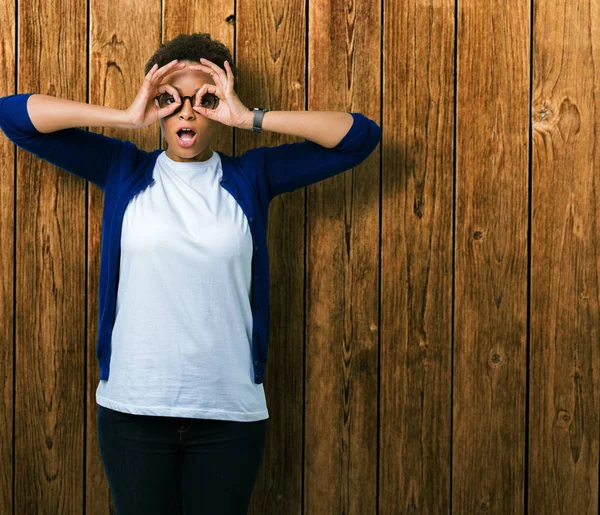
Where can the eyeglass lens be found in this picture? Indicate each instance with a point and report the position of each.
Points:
(208, 100)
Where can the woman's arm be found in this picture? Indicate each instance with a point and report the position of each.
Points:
(290, 166)
(49, 114)
(89, 155)
(326, 128)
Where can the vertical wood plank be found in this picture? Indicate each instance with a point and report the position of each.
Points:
(7, 263)
(50, 277)
(565, 258)
(342, 272)
(416, 268)
(270, 43)
(491, 257)
(119, 51)
(418, 451)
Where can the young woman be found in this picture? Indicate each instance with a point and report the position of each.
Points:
(183, 306)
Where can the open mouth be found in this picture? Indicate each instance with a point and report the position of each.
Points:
(186, 137)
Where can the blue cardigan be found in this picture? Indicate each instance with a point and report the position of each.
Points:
(121, 170)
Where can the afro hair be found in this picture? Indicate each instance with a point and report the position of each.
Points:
(191, 47)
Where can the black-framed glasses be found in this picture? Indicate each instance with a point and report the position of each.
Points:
(208, 100)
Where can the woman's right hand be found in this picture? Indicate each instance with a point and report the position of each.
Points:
(145, 110)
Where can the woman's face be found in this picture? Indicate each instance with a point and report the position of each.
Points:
(187, 82)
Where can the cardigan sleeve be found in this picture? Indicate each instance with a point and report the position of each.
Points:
(80, 152)
(290, 166)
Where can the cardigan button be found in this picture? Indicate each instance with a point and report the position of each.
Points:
(238, 197)
(255, 247)
(256, 277)
(256, 363)
(251, 219)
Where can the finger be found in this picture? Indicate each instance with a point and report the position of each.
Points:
(204, 111)
(151, 71)
(230, 76)
(160, 74)
(207, 69)
(206, 88)
(167, 88)
(174, 92)
(216, 69)
(215, 76)
(154, 70)
(148, 77)
(166, 111)
(167, 68)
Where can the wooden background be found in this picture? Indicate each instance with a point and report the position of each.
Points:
(434, 341)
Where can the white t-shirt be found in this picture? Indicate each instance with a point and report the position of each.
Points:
(178, 347)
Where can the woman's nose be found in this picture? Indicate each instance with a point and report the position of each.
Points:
(184, 104)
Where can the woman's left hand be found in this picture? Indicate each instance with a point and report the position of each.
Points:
(230, 110)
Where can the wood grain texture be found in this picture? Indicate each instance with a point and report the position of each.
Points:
(416, 258)
(490, 303)
(434, 312)
(270, 48)
(342, 264)
(50, 229)
(8, 265)
(565, 256)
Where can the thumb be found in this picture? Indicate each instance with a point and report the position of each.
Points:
(165, 111)
(204, 111)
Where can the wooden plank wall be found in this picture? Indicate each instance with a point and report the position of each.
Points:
(434, 312)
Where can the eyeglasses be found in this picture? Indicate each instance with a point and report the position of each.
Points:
(208, 100)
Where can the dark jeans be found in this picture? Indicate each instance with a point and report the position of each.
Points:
(172, 465)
